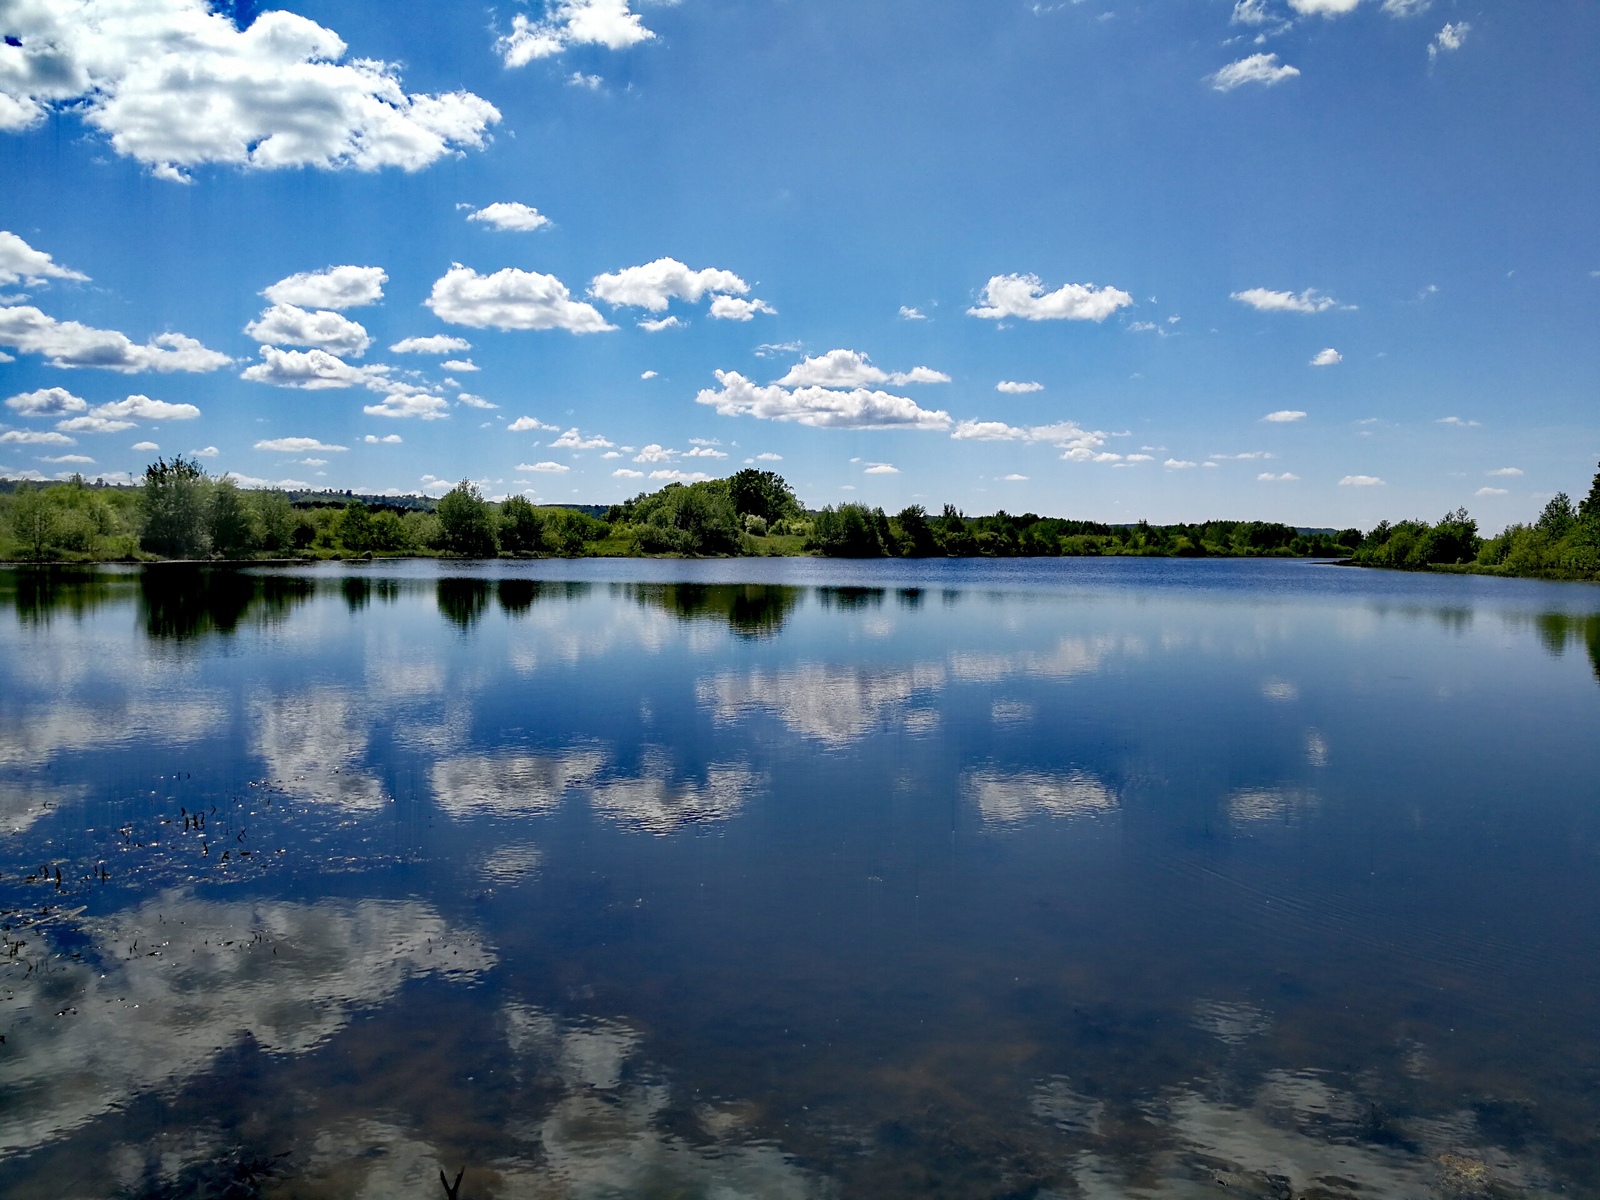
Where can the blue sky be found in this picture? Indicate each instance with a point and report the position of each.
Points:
(1374, 220)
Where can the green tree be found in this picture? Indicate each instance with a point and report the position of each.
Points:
(1557, 518)
(33, 522)
(354, 528)
(231, 521)
(521, 526)
(173, 507)
(467, 522)
(850, 531)
(1589, 509)
(764, 494)
(917, 538)
(275, 518)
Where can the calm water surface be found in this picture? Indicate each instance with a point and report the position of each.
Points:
(793, 879)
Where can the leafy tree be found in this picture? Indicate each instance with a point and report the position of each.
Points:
(1589, 509)
(275, 517)
(174, 508)
(231, 521)
(467, 522)
(354, 528)
(1454, 540)
(33, 522)
(764, 494)
(850, 531)
(521, 526)
(916, 538)
(1558, 517)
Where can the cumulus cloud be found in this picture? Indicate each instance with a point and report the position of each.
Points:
(908, 313)
(311, 370)
(145, 409)
(335, 287)
(524, 424)
(676, 476)
(46, 402)
(733, 308)
(651, 325)
(66, 458)
(146, 446)
(511, 299)
(388, 439)
(1076, 443)
(21, 263)
(706, 452)
(849, 369)
(1451, 37)
(819, 407)
(654, 452)
(1326, 357)
(1406, 8)
(298, 445)
(94, 424)
(769, 457)
(31, 437)
(70, 344)
(174, 84)
(606, 23)
(1456, 421)
(1252, 12)
(573, 440)
(290, 325)
(655, 284)
(1324, 8)
(627, 473)
(1285, 415)
(647, 374)
(882, 469)
(1505, 471)
(404, 400)
(1490, 491)
(1263, 300)
(510, 217)
(1179, 464)
(548, 467)
(472, 401)
(1360, 481)
(439, 343)
(1016, 388)
(1024, 296)
(1264, 69)
(1014, 479)
(1283, 477)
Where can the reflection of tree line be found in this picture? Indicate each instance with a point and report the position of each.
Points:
(1558, 629)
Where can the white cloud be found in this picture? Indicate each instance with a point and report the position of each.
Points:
(46, 402)
(1308, 301)
(21, 263)
(1013, 387)
(1327, 357)
(335, 287)
(66, 458)
(1264, 69)
(1451, 37)
(388, 439)
(1456, 421)
(769, 457)
(626, 473)
(1024, 296)
(511, 299)
(1490, 491)
(510, 217)
(464, 365)
(1178, 464)
(578, 79)
(404, 401)
(654, 452)
(439, 343)
(706, 452)
(525, 424)
(69, 344)
(147, 446)
(312, 370)
(647, 375)
(1284, 477)
(1505, 471)
(290, 325)
(1285, 415)
(882, 469)
(772, 349)
(1406, 8)
(548, 467)
(732, 308)
(681, 476)
(1360, 481)
(1246, 456)
(94, 424)
(572, 440)
(174, 85)
(605, 23)
(819, 407)
(1251, 12)
(912, 314)
(297, 445)
(145, 409)
(472, 401)
(1324, 8)
(1014, 478)
(212, 452)
(1076, 443)
(849, 369)
(650, 325)
(657, 283)
(30, 437)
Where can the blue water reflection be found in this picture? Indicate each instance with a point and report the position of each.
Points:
(798, 879)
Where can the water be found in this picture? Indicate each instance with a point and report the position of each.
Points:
(799, 879)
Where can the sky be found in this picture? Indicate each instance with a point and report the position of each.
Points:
(1318, 261)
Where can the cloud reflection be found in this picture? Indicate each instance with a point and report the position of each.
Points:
(510, 784)
(656, 802)
(830, 704)
(313, 743)
(1010, 797)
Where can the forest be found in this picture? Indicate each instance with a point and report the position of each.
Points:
(179, 512)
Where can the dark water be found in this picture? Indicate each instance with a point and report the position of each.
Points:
(1166, 879)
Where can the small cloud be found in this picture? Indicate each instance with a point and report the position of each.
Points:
(1284, 415)
(572, 440)
(472, 401)
(1361, 481)
(648, 375)
(653, 326)
(1406, 8)
(390, 439)
(578, 79)
(627, 473)
(1266, 300)
(1450, 38)
(675, 476)
(458, 364)
(736, 308)
(1456, 421)
(1327, 358)
(1264, 69)
(150, 446)
(212, 452)
(705, 452)
(912, 314)
(1504, 471)
(769, 349)
(705, 441)
(441, 343)
(769, 457)
(654, 452)
(1179, 464)
(1142, 327)
(1284, 477)
(1490, 491)
(549, 468)
(510, 217)
(1015, 388)
(882, 469)
(1014, 478)
(67, 458)
(524, 424)
(296, 445)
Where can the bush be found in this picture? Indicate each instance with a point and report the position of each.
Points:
(850, 531)
(467, 522)
(231, 523)
(521, 527)
(275, 518)
(174, 506)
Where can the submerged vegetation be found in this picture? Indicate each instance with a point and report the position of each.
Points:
(179, 512)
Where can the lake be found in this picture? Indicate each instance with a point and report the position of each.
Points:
(792, 878)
